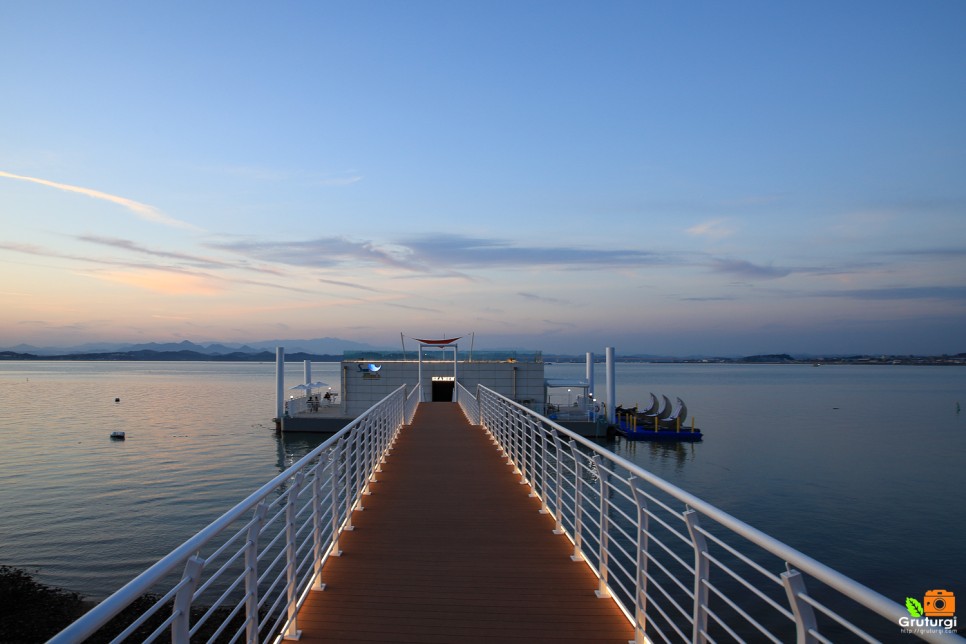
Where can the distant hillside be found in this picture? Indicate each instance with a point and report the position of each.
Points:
(316, 346)
(147, 355)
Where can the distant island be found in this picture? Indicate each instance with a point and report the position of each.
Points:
(784, 358)
(186, 355)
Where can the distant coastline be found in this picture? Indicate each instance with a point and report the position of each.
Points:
(171, 356)
(147, 355)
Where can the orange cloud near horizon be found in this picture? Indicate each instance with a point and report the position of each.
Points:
(161, 282)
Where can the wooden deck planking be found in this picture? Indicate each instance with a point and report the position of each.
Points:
(450, 547)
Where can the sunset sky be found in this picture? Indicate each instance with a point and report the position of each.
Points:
(720, 178)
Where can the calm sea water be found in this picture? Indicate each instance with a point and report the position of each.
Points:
(860, 467)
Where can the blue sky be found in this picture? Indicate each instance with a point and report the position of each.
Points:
(668, 178)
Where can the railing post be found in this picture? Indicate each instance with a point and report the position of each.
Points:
(578, 506)
(365, 454)
(503, 416)
(347, 458)
(529, 439)
(604, 538)
(701, 573)
(383, 436)
(181, 625)
(291, 563)
(317, 528)
(498, 416)
(251, 573)
(479, 405)
(373, 451)
(544, 496)
(334, 458)
(643, 543)
(526, 444)
(357, 484)
(558, 494)
(513, 439)
(805, 622)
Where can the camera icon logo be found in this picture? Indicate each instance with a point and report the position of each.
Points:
(939, 603)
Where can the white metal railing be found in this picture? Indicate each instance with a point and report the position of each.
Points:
(412, 402)
(468, 403)
(244, 577)
(295, 406)
(679, 568)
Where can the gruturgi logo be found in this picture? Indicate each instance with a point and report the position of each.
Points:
(935, 614)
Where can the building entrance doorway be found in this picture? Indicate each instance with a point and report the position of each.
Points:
(443, 390)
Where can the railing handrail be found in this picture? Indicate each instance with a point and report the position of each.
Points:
(861, 594)
(104, 611)
(875, 601)
(470, 409)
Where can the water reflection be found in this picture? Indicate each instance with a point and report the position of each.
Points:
(648, 453)
(290, 447)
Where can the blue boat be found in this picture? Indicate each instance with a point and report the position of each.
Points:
(641, 434)
(653, 425)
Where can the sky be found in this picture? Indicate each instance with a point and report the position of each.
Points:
(701, 178)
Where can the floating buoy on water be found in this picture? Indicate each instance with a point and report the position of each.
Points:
(117, 400)
(117, 436)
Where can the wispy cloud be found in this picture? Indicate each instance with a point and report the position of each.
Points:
(463, 251)
(410, 307)
(441, 256)
(540, 298)
(194, 260)
(744, 268)
(949, 293)
(349, 285)
(137, 268)
(164, 282)
(708, 299)
(340, 181)
(715, 229)
(324, 252)
(143, 211)
(939, 251)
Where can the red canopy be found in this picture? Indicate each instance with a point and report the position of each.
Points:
(449, 341)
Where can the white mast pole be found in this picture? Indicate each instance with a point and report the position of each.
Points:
(279, 383)
(611, 386)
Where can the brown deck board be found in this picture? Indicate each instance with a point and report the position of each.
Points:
(450, 548)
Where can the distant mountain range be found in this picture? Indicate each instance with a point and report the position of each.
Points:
(332, 349)
(317, 346)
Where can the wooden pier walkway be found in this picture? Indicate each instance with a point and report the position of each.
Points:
(450, 548)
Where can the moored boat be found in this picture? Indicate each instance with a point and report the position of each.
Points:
(651, 424)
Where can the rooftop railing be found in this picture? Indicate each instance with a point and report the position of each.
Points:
(679, 568)
(429, 355)
(244, 577)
